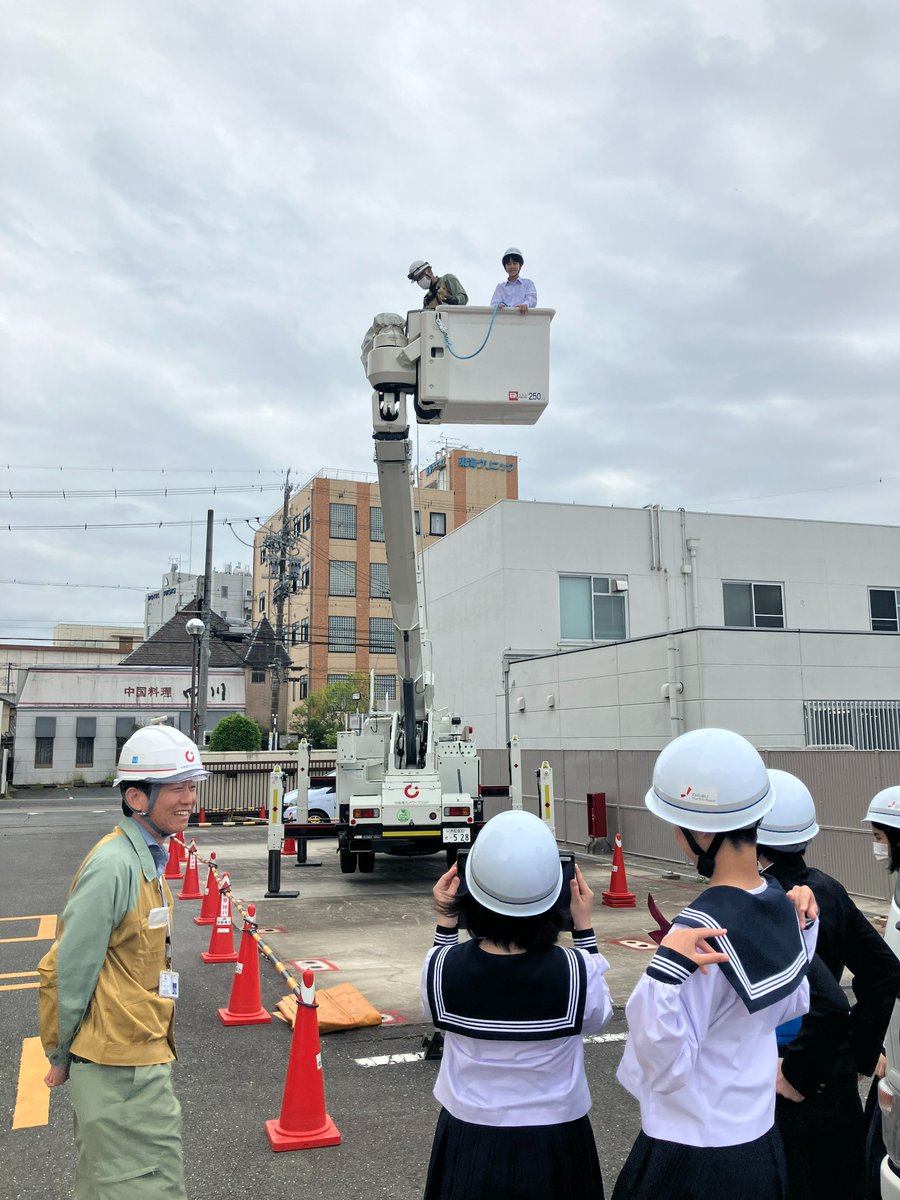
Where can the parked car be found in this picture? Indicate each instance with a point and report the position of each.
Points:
(322, 803)
(889, 1087)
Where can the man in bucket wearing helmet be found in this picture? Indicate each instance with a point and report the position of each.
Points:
(513, 1006)
(701, 1055)
(439, 289)
(514, 292)
(108, 987)
(818, 1110)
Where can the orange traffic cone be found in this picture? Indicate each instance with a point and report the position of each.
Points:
(245, 1006)
(210, 905)
(263, 813)
(221, 935)
(190, 889)
(201, 816)
(290, 846)
(618, 895)
(303, 1122)
(173, 862)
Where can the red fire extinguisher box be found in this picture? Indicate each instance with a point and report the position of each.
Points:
(596, 814)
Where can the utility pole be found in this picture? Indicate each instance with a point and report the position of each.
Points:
(205, 602)
(279, 595)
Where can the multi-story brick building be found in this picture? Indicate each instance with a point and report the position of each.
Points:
(334, 580)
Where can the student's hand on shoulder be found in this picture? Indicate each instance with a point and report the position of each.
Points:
(692, 944)
(804, 902)
(582, 901)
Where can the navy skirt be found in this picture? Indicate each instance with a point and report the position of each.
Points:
(658, 1170)
(528, 1162)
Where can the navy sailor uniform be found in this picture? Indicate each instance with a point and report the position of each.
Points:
(701, 1055)
(512, 1083)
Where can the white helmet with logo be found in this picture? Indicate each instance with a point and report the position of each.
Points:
(514, 866)
(159, 754)
(884, 808)
(711, 781)
(791, 821)
(416, 268)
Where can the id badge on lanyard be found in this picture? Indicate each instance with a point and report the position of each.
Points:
(168, 978)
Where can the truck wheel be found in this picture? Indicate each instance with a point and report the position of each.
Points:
(367, 862)
(451, 856)
(348, 862)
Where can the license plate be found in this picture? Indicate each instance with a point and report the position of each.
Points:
(457, 835)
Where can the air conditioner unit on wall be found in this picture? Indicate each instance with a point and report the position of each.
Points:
(620, 585)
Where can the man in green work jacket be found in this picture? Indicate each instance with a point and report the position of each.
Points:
(439, 289)
(108, 983)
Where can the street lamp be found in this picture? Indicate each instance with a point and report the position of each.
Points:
(195, 628)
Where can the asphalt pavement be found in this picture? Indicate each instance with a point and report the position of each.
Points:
(368, 930)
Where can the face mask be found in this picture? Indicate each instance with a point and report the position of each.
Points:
(424, 282)
(882, 853)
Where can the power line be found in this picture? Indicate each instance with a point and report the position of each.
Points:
(121, 493)
(155, 470)
(130, 524)
(118, 587)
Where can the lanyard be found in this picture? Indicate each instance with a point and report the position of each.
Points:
(170, 929)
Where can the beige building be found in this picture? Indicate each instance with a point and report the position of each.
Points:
(334, 581)
(122, 638)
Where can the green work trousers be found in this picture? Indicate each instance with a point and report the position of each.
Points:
(127, 1133)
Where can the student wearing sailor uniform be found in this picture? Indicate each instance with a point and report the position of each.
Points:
(818, 1110)
(701, 1056)
(513, 1006)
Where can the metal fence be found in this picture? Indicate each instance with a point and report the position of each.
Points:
(856, 724)
(237, 788)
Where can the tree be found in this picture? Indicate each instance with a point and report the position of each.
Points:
(235, 733)
(323, 714)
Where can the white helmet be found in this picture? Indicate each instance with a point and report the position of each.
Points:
(514, 866)
(513, 252)
(884, 808)
(711, 781)
(159, 754)
(416, 268)
(791, 821)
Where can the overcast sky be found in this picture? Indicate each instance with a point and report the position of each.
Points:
(203, 204)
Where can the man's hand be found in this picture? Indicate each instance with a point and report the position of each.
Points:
(783, 1088)
(692, 944)
(444, 892)
(582, 903)
(523, 308)
(56, 1076)
(805, 903)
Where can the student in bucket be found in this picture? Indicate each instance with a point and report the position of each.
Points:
(513, 1006)
(701, 1056)
(108, 986)
(514, 291)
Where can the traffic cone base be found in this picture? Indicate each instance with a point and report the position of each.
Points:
(618, 895)
(260, 1017)
(281, 1139)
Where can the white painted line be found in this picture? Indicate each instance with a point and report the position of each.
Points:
(605, 1037)
(390, 1060)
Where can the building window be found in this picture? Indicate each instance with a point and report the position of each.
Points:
(262, 602)
(376, 525)
(306, 520)
(43, 752)
(342, 635)
(417, 517)
(591, 608)
(379, 589)
(295, 633)
(385, 689)
(381, 635)
(437, 524)
(304, 688)
(84, 752)
(753, 605)
(125, 727)
(304, 629)
(262, 554)
(342, 521)
(296, 527)
(223, 591)
(337, 678)
(884, 609)
(257, 677)
(341, 578)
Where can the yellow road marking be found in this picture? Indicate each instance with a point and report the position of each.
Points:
(33, 1095)
(16, 987)
(46, 928)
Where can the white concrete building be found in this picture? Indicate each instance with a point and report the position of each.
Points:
(72, 721)
(232, 596)
(639, 624)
